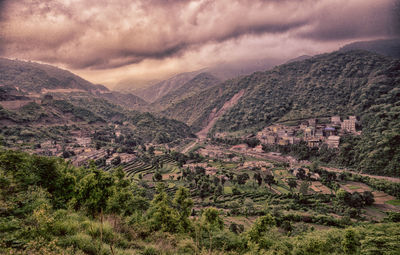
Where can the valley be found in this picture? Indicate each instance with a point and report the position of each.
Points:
(305, 151)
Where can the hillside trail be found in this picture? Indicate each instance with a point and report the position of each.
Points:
(214, 115)
(190, 146)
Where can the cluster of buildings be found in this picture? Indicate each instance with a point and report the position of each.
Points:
(310, 131)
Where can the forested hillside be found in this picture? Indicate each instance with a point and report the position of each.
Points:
(36, 121)
(341, 83)
(160, 89)
(386, 47)
(191, 88)
(20, 80)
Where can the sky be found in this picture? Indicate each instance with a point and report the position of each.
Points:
(107, 42)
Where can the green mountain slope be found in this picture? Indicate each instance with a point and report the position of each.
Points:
(386, 47)
(191, 88)
(341, 83)
(160, 89)
(34, 77)
(36, 122)
(337, 83)
(31, 80)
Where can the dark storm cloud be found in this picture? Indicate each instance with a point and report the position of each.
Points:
(353, 19)
(100, 34)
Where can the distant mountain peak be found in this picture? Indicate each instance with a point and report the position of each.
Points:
(386, 47)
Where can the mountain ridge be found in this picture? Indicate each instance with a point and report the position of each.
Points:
(32, 80)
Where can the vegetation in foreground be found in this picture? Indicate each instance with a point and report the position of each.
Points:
(49, 207)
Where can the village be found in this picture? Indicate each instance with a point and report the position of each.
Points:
(81, 147)
(313, 133)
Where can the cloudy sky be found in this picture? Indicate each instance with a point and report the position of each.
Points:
(109, 41)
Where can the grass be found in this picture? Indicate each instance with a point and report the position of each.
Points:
(227, 190)
(281, 189)
(353, 187)
(395, 202)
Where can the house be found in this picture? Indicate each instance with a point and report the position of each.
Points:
(313, 142)
(83, 141)
(329, 131)
(270, 139)
(309, 132)
(240, 147)
(333, 141)
(283, 142)
(319, 132)
(258, 148)
(303, 125)
(349, 125)
(335, 120)
(312, 122)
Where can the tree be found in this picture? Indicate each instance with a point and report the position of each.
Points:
(116, 161)
(269, 179)
(356, 200)
(161, 216)
(368, 198)
(223, 180)
(292, 184)
(151, 150)
(342, 196)
(210, 221)
(93, 192)
(351, 241)
(242, 178)
(157, 176)
(304, 186)
(258, 178)
(216, 180)
(200, 170)
(301, 174)
(236, 228)
(260, 227)
(183, 205)
(314, 166)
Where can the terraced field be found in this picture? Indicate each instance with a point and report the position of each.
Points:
(138, 166)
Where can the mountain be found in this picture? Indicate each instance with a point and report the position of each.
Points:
(233, 69)
(60, 120)
(160, 89)
(131, 85)
(341, 83)
(34, 77)
(200, 82)
(222, 71)
(39, 102)
(386, 47)
(299, 58)
(29, 80)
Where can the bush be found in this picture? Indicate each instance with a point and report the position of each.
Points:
(186, 246)
(150, 251)
(82, 242)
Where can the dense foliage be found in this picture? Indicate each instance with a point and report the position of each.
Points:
(341, 83)
(199, 83)
(32, 121)
(49, 207)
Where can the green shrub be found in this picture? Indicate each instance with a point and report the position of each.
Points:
(82, 242)
(150, 251)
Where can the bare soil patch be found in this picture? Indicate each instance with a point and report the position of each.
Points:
(355, 187)
(318, 187)
(202, 134)
(14, 104)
